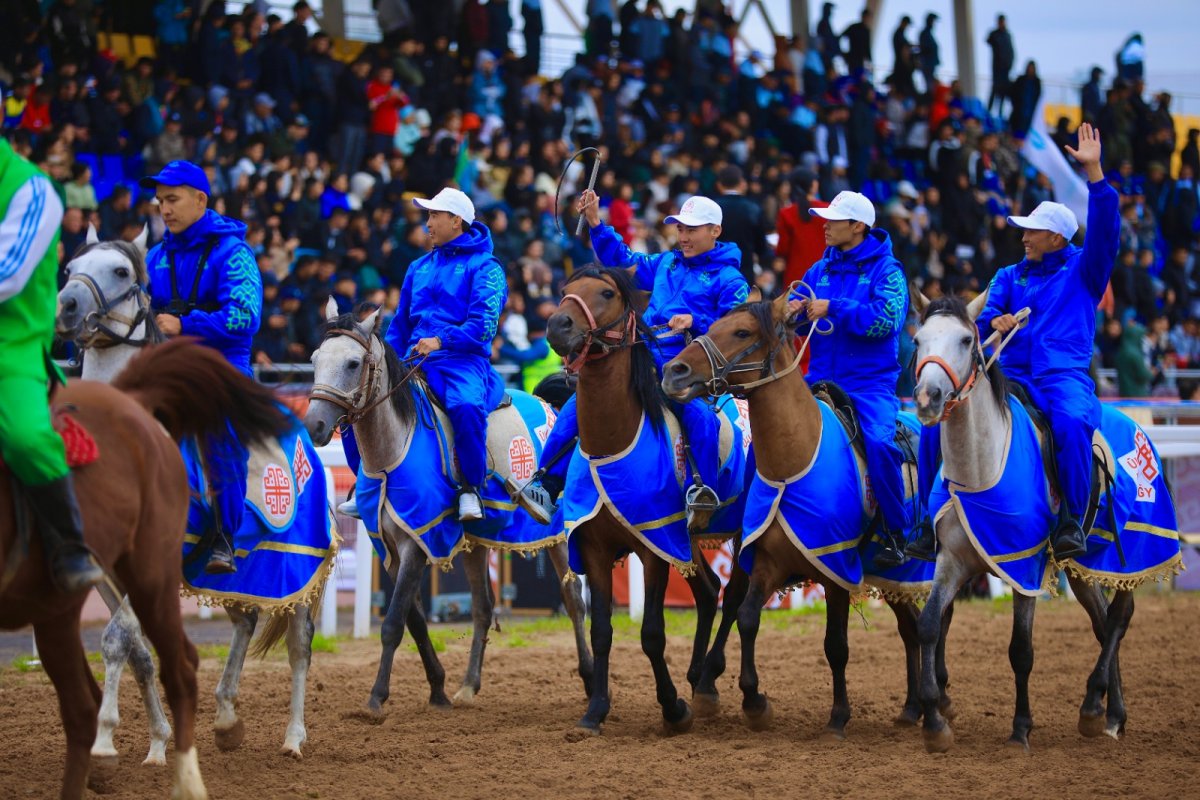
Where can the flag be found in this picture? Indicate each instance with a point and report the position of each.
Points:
(1041, 152)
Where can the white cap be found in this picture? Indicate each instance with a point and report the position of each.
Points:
(697, 211)
(452, 201)
(1049, 216)
(906, 189)
(848, 205)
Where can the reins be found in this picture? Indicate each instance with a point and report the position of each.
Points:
(97, 334)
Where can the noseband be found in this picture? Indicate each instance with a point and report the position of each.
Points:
(96, 333)
(362, 400)
(618, 334)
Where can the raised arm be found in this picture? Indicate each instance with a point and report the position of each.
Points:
(610, 250)
(1102, 239)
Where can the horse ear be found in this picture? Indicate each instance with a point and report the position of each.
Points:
(371, 322)
(331, 310)
(976, 306)
(919, 301)
(779, 307)
(92, 236)
(140, 241)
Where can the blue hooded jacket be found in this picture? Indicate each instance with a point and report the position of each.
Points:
(706, 286)
(868, 302)
(455, 292)
(229, 296)
(1062, 292)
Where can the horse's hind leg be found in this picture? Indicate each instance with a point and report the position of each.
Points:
(1020, 655)
(705, 697)
(906, 624)
(572, 595)
(78, 695)
(434, 672)
(228, 729)
(482, 605)
(1106, 676)
(945, 705)
(705, 586)
(837, 653)
(299, 645)
(1091, 712)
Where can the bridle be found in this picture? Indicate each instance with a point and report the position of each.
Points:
(97, 334)
(622, 332)
(363, 398)
(961, 389)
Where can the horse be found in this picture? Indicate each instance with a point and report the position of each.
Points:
(359, 380)
(982, 432)
(619, 404)
(105, 310)
(789, 427)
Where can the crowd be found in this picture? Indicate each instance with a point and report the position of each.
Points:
(320, 157)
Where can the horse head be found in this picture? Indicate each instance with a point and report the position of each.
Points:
(949, 358)
(104, 296)
(707, 365)
(596, 316)
(349, 370)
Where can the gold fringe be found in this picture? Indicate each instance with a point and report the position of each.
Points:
(1165, 571)
(898, 596)
(712, 541)
(527, 549)
(569, 576)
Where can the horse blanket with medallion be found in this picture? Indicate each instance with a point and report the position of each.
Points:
(825, 510)
(288, 539)
(419, 493)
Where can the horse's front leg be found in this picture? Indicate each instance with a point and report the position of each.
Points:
(299, 645)
(705, 586)
(1020, 655)
(706, 699)
(677, 716)
(228, 728)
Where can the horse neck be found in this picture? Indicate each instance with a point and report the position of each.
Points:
(786, 425)
(609, 410)
(975, 437)
(381, 433)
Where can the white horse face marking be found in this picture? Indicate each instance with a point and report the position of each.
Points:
(113, 273)
(951, 340)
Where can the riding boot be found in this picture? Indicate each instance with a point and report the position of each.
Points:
(470, 507)
(891, 549)
(538, 497)
(1068, 539)
(220, 560)
(350, 507)
(72, 566)
(923, 545)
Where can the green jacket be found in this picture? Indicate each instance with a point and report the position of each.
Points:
(1133, 374)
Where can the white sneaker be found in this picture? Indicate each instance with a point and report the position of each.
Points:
(469, 508)
(350, 508)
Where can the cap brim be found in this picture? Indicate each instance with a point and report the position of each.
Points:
(149, 182)
(828, 213)
(428, 205)
(1028, 223)
(691, 222)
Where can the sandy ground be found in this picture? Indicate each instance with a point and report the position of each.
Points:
(512, 743)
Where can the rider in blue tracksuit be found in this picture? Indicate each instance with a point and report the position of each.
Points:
(860, 286)
(204, 282)
(690, 288)
(1061, 284)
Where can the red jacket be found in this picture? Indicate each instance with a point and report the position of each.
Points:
(801, 241)
(385, 109)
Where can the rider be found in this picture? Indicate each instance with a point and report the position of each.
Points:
(1061, 284)
(859, 285)
(30, 213)
(204, 282)
(690, 288)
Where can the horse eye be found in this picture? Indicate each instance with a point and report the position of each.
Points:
(966, 341)
(122, 272)
(608, 294)
(353, 364)
(742, 334)
(916, 342)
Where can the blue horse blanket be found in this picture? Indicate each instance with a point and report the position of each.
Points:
(825, 510)
(421, 495)
(643, 487)
(288, 539)
(1009, 522)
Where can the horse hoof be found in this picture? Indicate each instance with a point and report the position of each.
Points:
(1115, 730)
(948, 710)
(103, 763)
(370, 715)
(1091, 726)
(831, 734)
(230, 738)
(582, 732)
(681, 725)
(155, 760)
(464, 697)
(760, 720)
(440, 701)
(292, 752)
(706, 704)
(908, 718)
(1021, 742)
(939, 741)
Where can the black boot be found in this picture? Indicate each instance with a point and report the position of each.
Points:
(923, 544)
(1069, 540)
(891, 549)
(72, 566)
(220, 560)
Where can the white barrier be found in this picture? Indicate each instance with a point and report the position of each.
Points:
(331, 455)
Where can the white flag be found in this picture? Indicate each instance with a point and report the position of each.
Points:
(1041, 151)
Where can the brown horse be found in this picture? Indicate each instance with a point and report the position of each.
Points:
(599, 329)
(134, 500)
(786, 424)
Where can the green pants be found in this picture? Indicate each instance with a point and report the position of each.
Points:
(28, 443)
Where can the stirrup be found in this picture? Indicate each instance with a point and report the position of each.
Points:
(923, 547)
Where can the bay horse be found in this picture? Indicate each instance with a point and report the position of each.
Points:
(359, 379)
(787, 428)
(134, 501)
(105, 311)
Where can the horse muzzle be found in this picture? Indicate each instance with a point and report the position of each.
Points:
(320, 421)
(563, 335)
(931, 403)
(680, 382)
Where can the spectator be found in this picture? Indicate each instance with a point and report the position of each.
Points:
(1091, 98)
(385, 100)
(116, 212)
(742, 222)
(927, 53)
(531, 12)
(1000, 41)
(1026, 91)
(79, 190)
(801, 240)
(858, 44)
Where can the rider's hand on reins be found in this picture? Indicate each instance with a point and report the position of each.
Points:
(680, 323)
(169, 324)
(1005, 323)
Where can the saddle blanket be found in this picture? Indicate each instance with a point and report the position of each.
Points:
(81, 449)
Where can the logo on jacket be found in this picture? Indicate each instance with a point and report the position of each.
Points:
(277, 493)
(824, 281)
(1141, 465)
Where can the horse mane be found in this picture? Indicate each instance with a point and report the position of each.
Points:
(126, 249)
(763, 312)
(646, 385)
(403, 402)
(955, 306)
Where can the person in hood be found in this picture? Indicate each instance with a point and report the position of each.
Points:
(859, 286)
(1061, 284)
(204, 282)
(690, 289)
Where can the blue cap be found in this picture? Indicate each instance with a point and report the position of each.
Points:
(178, 173)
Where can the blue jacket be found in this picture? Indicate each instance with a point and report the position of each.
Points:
(456, 293)
(706, 286)
(1062, 291)
(868, 301)
(229, 296)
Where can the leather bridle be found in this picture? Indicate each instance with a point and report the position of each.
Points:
(961, 389)
(360, 401)
(622, 332)
(96, 334)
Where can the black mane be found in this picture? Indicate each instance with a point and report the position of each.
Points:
(402, 401)
(644, 373)
(955, 306)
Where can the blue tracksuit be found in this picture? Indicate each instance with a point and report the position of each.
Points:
(1052, 355)
(706, 286)
(456, 293)
(219, 301)
(868, 301)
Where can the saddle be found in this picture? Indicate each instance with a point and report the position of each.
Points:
(842, 404)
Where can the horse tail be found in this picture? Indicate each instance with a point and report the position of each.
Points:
(193, 391)
(277, 626)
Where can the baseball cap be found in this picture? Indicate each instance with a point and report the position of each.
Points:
(178, 173)
(697, 211)
(906, 189)
(264, 99)
(848, 205)
(1049, 216)
(449, 200)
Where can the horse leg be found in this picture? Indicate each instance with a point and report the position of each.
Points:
(299, 645)
(434, 672)
(482, 605)
(906, 624)
(706, 700)
(78, 695)
(755, 706)
(1020, 655)
(228, 729)
(837, 653)
(598, 560)
(677, 716)
(932, 627)
(1091, 712)
(945, 705)
(705, 586)
(572, 595)
(1106, 676)
(408, 581)
(122, 641)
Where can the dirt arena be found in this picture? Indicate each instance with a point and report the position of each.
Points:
(513, 744)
